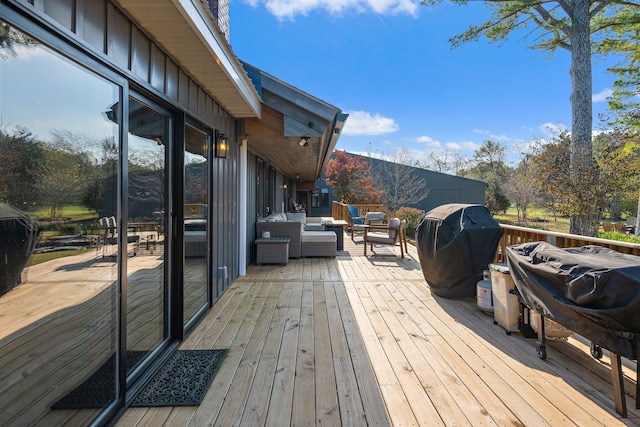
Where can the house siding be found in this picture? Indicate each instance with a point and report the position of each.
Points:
(101, 41)
(442, 188)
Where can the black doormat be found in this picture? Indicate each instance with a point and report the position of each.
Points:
(183, 380)
(99, 389)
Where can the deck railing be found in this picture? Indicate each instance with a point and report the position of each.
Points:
(513, 235)
(341, 210)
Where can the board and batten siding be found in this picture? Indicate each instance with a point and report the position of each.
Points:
(101, 27)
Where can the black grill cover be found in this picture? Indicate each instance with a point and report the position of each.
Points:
(18, 237)
(592, 290)
(456, 242)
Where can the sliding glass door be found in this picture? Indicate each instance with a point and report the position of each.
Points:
(197, 151)
(146, 241)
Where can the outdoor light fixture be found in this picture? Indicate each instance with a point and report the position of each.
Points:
(304, 141)
(222, 145)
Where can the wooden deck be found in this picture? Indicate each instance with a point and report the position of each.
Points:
(361, 341)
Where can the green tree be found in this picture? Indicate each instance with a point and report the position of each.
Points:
(497, 201)
(574, 25)
(23, 158)
(62, 179)
(488, 159)
(614, 172)
(520, 187)
(624, 41)
(488, 165)
(11, 38)
(350, 178)
(106, 166)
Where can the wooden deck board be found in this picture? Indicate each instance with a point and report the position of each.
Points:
(256, 408)
(281, 401)
(361, 341)
(351, 406)
(304, 398)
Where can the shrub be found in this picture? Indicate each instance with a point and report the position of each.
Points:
(616, 235)
(413, 217)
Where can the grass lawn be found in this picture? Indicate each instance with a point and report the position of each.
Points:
(539, 218)
(74, 213)
(543, 219)
(69, 220)
(48, 256)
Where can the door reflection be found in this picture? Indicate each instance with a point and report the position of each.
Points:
(149, 133)
(196, 196)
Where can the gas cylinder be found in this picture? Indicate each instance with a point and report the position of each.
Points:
(485, 294)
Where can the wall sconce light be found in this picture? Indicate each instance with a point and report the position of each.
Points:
(284, 185)
(304, 141)
(222, 145)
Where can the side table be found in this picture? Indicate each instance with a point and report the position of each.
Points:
(274, 250)
(337, 226)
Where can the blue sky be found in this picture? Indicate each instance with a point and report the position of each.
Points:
(389, 64)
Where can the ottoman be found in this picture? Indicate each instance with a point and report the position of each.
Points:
(319, 243)
(274, 250)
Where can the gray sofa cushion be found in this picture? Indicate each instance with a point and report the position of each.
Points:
(296, 216)
(314, 227)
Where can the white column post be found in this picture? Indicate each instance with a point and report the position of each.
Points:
(242, 207)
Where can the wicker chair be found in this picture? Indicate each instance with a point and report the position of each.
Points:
(388, 234)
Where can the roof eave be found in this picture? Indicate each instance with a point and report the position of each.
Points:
(196, 43)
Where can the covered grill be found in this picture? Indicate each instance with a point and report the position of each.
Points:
(455, 243)
(592, 290)
(18, 237)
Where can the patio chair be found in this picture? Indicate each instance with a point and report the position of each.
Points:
(370, 218)
(354, 217)
(388, 234)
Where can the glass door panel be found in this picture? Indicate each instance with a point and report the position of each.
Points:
(59, 287)
(196, 224)
(149, 134)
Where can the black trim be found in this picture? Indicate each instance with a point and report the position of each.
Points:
(176, 192)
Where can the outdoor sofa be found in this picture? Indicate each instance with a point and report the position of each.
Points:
(307, 237)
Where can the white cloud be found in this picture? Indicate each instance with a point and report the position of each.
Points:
(492, 136)
(424, 139)
(469, 145)
(288, 9)
(500, 138)
(454, 146)
(430, 142)
(363, 123)
(552, 129)
(602, 96)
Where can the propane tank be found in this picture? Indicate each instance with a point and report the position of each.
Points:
(485, 294)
